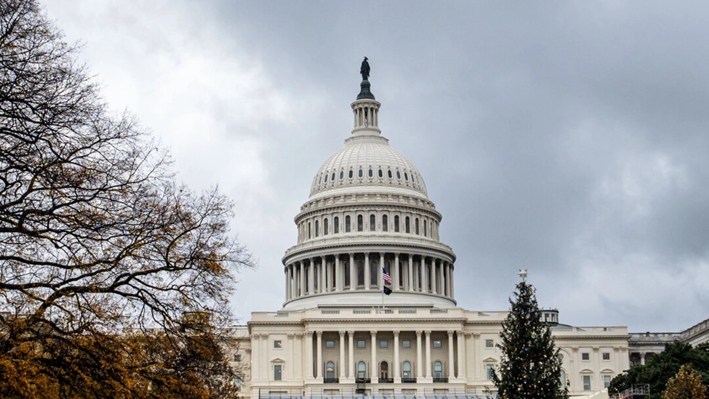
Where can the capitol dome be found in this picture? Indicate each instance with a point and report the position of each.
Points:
(368, 228)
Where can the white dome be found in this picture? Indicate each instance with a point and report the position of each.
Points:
(368, 162)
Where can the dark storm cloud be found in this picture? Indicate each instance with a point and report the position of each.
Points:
(569, 138)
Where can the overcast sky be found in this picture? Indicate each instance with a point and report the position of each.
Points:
(570, 138)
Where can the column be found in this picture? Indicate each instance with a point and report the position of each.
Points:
(319, 352)
(410, 277)
(642, 357)
(462, 359)
(434, 290)
(351, 359)
(287, 282)
(367, 274)
(311, 280)
(353, 274)
(255, 375)
(374, 374)
(323, 283)
(424, 276)
(309, 354)
(451, 284)
(302, 278)
(342, 355)
(397, 373)
(419, 358)
(451, 359)
(339, 276)
(441, 280)
(395, 273)
(380, 282)
(291, 344)
(428, 354)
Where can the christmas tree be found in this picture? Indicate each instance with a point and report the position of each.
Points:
(530, 367)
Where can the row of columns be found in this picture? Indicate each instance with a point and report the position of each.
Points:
(366, 114)
(409, 273)
(350, 373)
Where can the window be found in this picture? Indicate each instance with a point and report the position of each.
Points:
(336, 224)
(436, 343)
(278, 344)
(398, 175)
(351, 174)
(585, 356)
(329, 344)
(361, 370)
(360, 223)
(587, 383)
(277, 372)
(437, 370)
(361, 344)
(389, 173)
(416, 225)
(372, 222)
(383, 344)
(407, 223)
(489, 343)
(385, 223)
(309, 228)
(384, 370)
(606, 356)
(360, 173)
(396, 224)
(333, 177)
(347, 224)
(342, 174)
(317, 228)
(325, 177)
(360, 272)
(237, 357)
(373, 272)
(370, 173)
(406, 176)
(380, 173)
(489, 371)
(330, 370)
(406, 370)
(325, 227)
(406, 343)
(606, 381)
(425, 231)
(347, 274)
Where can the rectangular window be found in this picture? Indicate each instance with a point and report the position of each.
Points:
(587, 383)
(362, 344)
(277, 372)
(277, 344)
(490, 371)
(606, 381)
(606, 356)
(406, 343)
(329, 344)
(237, 357)
(489, 343)
(436, 344)
(383, 344)
(585, 356)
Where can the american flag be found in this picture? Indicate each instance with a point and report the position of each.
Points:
(385, 276)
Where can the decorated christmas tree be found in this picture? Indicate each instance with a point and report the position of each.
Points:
(530, 367)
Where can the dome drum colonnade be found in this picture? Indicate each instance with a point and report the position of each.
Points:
(368, 209)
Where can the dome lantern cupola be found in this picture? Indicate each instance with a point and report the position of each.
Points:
(366, 107)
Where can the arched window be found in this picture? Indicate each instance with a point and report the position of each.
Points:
(406, 176)
(360, 223)
(325, 227)
(416, 225)
(384, 370)
(347, 224)
(336, 225)
(360, 173)
(373, 272)
(361, 370)
(372, 222)
(370, 173)
(437, 370)
(330, 370)
(325, 177)
(309, 233)
(398, 175)
(406, 370)
(407, 224)
(385, 223)
(389, 173)
(396, 223)
(351, 174)
(425, 230)
(317, 228)
(360, 272)
(342, 174)
(380, 173)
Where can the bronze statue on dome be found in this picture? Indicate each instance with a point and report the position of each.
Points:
(364, 69)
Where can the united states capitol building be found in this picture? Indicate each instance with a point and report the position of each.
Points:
(369, 224)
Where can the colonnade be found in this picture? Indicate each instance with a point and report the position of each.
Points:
(348, 363)
(363, 271)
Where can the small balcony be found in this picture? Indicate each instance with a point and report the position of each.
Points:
(440, 379)
(331, 380)
(386, 380)
(408, 380)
